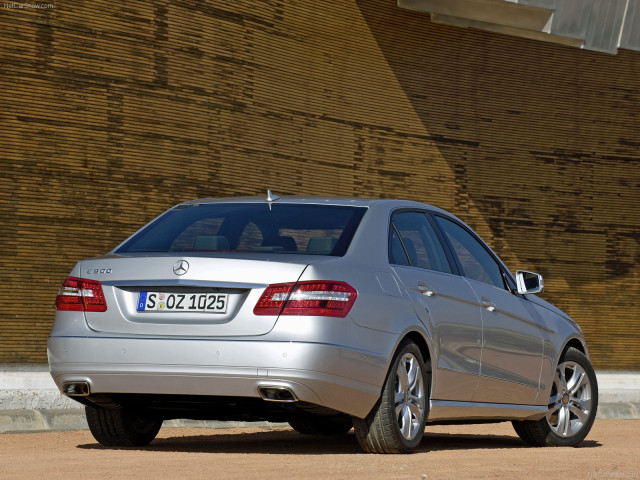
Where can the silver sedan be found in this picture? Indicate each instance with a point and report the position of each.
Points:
(327, 313)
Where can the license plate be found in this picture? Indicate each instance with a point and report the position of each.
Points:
(183, 302)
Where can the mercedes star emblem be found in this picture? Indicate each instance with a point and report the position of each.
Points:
(181, 267)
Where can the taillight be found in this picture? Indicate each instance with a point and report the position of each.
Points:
(81, 294)
(319, 298)
(273, 298)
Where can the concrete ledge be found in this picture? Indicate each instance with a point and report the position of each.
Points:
(30, 401)
(618, 410)
(60, 420)
(20, 421)
(619, 387)
(40, 420)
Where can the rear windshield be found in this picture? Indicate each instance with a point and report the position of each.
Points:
(250, 227)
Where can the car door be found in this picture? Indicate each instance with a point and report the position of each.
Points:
(512, 331)
(444, 302)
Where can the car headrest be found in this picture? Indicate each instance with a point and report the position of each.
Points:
(321, 245)
(286, 242)
(204, 242)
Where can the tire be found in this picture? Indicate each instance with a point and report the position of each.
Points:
(396, 423)
(121, 427)
(321, 425)
(572, 405)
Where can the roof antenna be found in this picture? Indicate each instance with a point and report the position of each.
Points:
(271, 198)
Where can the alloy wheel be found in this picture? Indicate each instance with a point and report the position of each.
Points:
(409, 396)
(570, 402)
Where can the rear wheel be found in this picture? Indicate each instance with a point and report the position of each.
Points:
(321, 424)
(121, 427)
(396, 423)
(572, 405)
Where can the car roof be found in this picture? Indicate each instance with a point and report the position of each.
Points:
(317, 200)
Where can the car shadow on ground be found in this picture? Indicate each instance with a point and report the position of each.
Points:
(447, 441)
(288, 442)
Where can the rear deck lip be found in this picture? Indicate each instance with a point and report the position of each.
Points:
(181, 283)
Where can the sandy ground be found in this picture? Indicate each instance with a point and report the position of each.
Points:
(612, 450)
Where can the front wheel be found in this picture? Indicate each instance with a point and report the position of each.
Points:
(572, 405)
(121, 427)
(396, 423)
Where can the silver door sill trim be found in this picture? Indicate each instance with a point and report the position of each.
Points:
(451, 410)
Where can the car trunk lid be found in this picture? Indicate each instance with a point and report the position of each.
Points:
(134, 287)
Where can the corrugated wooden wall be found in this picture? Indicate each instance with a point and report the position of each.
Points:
(111, 112)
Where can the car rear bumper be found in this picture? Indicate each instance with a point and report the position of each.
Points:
(329, 375)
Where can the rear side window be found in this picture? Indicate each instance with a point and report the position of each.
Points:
(397, 253)
(476, 261)
(250, 227)
(414, 242)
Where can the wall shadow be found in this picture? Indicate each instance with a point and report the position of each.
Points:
(535, 133)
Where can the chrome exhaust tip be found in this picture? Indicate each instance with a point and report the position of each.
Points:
(76, 389)
(277, 394)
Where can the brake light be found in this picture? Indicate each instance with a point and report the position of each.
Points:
(273, 299)
(80, 294)
(319, 298)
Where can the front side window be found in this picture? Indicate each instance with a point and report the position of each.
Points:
(477, 263)
(414, 242)
(250, 227)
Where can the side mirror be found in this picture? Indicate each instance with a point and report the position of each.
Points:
(529, 282)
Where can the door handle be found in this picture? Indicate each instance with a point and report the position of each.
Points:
(488, 304)
(425, 289)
